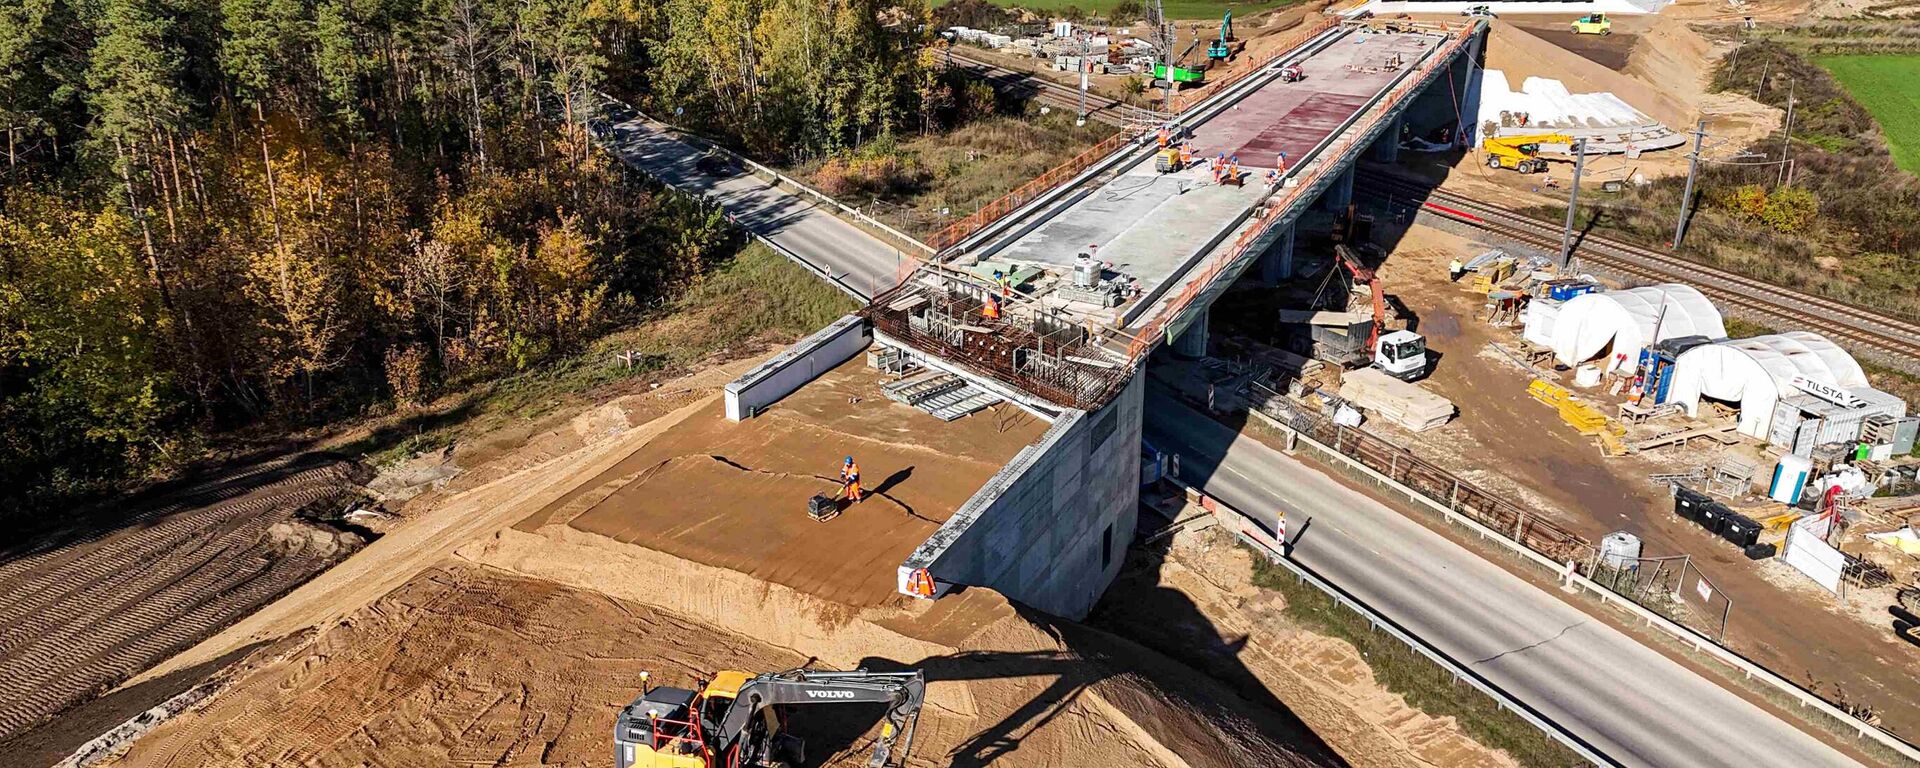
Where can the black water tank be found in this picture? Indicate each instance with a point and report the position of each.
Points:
(1713, 516)
(1687, 502)
(1741, 530)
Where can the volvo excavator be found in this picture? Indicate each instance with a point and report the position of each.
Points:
(737, 721)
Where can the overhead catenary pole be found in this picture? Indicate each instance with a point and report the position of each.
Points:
(1573, 202)
(1786, 140)
(1693, 171)
(1086, 53)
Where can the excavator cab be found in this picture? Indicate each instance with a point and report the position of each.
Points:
(679, 728)
(738, 721)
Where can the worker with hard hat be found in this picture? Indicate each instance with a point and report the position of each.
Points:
(1455, 269)
(850, 480)
(991, 310)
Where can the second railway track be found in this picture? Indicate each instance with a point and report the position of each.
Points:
(1895, 341)
(1110, 111)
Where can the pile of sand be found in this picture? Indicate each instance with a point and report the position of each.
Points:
(472, 665)
(1674, 56)
(1520, 55)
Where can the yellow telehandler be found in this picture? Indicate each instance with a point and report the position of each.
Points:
(1521, 153)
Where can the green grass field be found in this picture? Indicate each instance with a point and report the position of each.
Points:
(1889, 87)
(1175, 9)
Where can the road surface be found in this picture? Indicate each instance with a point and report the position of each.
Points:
(861, 263)
(1624, 699)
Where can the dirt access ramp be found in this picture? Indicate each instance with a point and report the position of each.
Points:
(1521, 54)
(1008, 685)
(84, 608)
(468, 664)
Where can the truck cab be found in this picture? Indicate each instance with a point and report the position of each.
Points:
(1401, 354)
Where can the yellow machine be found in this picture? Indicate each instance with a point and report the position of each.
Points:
(1520, 153)
(1167, 160)
(738, 721)
(1593, 24)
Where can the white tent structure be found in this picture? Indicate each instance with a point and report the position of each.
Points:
(1757, 372)
(1615, 323)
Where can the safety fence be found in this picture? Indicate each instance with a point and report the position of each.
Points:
(1266, 211)
(1046, 182)
(1250, 533)
(1312, 428)
(1214, 88)
(1400, 465)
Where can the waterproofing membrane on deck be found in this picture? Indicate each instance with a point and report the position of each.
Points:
(1301, 129)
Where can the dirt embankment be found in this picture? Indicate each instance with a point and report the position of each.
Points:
(470, 663)
(1521, 54)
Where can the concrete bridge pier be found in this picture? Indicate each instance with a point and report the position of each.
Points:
(1192, 342)
(1340, 193)
(1386, 149)
(1276, 264)
(1463, 72)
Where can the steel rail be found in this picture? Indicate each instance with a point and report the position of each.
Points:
(1890, 336)
(1104, 109)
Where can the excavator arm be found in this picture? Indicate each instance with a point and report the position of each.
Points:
(902, 692)
(1365, 274)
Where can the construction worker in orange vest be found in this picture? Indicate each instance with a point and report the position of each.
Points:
(1186, 155)
(850, 480)
(1164, 137)
(992, 309)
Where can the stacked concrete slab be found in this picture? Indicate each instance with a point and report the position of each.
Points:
(1394, 400)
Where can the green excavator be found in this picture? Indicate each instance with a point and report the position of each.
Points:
(1219, 50)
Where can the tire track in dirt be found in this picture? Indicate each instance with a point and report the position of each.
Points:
(82, 610)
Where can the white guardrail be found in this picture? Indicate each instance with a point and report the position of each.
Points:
(1250, 532)
(1572, 578)
(780, 178)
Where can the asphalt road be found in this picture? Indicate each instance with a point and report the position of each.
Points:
(1624, 699)
(858, 261)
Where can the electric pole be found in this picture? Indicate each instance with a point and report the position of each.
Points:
(1573, 202)
(1693, 170)
(1786, 141)
(1086, 65)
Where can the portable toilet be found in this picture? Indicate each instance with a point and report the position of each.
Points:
(1789, 479)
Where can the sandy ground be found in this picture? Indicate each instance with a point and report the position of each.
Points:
(84, 609)
(735, 495)
(1666, 72)
(461, 638)
(1507, 441)
(1201, 573)
(421, 542)
(470, 665)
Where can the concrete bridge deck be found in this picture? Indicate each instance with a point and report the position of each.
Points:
(1171, 243)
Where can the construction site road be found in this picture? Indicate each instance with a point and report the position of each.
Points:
(857, 261)
(1628, 701)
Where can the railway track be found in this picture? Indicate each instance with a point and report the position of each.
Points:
(1894, 341)
(1110, 111)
